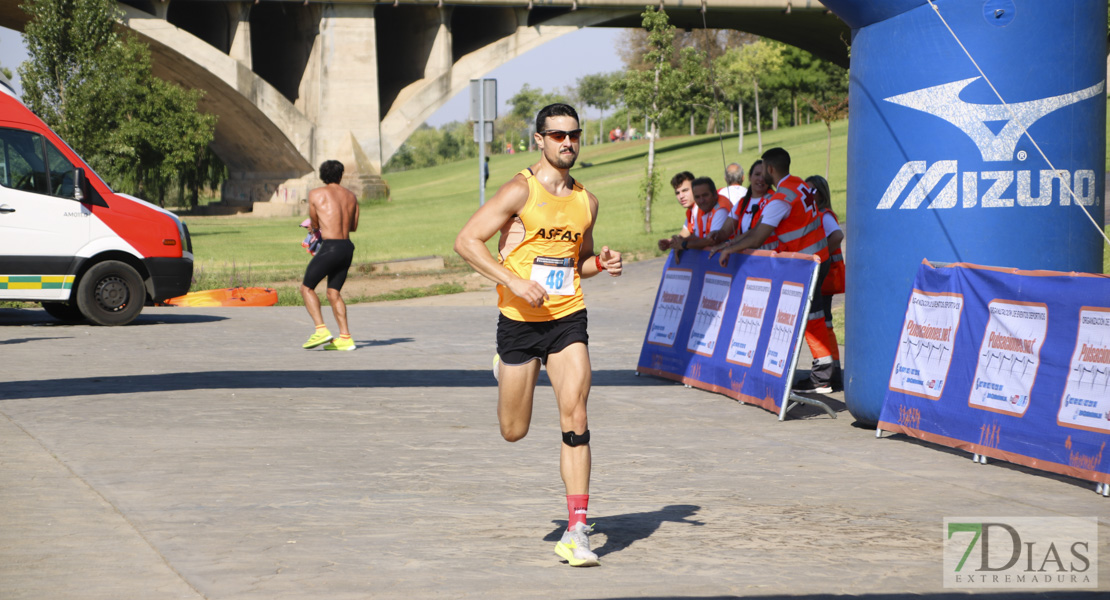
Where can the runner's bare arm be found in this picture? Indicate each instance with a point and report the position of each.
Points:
(354, 218)
(470, 244)
(314, 219)
(610, 259)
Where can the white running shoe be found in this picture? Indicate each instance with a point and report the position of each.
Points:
(575, 547)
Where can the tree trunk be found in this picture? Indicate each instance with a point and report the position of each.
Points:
(650, 179)
(794, 99)
(651, 155)
(774, 117)
(691, 123)
(758, 127)
(740, 117)
(828, 148)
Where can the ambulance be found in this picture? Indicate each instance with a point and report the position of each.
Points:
(70, 242)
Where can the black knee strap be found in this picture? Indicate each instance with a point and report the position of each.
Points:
(574, 439)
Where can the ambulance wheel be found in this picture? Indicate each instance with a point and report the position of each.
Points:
(111, 293)
(63, 311)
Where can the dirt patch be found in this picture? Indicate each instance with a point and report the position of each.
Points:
(361, 286)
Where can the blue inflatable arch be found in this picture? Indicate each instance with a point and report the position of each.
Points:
(976, 134)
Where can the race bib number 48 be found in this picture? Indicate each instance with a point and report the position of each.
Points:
(556, 275)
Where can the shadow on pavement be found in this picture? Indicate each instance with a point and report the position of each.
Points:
(1010, 595)
(32, 339)
(389, 342)
(901, 437)
(217, 380)
(621, 531)
(25, 316)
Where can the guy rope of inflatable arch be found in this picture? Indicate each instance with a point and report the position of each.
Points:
(716, 103)
(1066, 185)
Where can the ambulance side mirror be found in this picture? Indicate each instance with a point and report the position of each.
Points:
(84, 192)
(79, 183)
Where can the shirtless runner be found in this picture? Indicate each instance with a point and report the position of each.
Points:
(333, 210)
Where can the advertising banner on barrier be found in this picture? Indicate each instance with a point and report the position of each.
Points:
(734, 330)
(1014, 365)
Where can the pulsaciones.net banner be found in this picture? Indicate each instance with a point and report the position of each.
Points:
(1010, 364)
(733, 329)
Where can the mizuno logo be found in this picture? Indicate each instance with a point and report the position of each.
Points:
(944, 101)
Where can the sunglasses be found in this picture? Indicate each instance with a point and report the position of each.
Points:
(559, 135)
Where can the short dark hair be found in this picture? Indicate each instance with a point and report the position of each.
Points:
(704, 181)
(778, 158)
(331, 171)
(554, 110)
(677, 180)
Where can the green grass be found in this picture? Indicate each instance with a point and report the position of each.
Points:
(441, 289)
(428, 206)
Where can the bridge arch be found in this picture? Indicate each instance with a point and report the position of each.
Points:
(294, 83)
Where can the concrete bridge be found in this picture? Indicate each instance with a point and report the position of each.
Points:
(295, 83)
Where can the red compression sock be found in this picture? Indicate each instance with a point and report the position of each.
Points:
(576, 506)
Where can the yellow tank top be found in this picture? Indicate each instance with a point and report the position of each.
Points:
(542, 243)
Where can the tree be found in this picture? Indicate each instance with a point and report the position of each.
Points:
(802, 73)
(597, 91)
(829, 112)
(527, 103)
(93, 85)
(633, 44)
(657, 91)
(747, 65)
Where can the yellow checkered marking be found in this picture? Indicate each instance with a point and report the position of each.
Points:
(36, 282)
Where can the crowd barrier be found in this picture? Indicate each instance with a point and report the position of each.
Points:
(734, 330)
(1008, 364)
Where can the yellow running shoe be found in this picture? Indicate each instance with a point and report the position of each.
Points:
(322, 336)
(497, 367)
(575, 547)
(341, 343)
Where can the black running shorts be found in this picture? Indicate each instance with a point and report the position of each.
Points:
(519, 342)
(331, 261)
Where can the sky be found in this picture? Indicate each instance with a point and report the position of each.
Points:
(551, 67)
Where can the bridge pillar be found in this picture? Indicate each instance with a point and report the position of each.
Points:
(344, 81)
(240, 44)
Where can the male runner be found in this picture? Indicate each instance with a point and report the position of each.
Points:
(333, 210)
(546, 220)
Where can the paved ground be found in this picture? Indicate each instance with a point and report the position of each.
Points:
(200, 453)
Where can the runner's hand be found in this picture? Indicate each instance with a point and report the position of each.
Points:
(532, 292)
(611, 261)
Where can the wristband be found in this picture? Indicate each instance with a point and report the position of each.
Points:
(597, 261)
